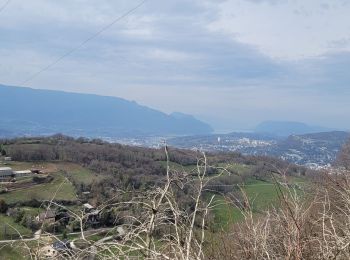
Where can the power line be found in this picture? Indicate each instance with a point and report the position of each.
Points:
(4, 5)
(83, 43)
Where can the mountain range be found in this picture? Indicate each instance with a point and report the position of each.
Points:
(26, 111)
(286, 128)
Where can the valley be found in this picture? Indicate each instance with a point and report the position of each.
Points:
(64, 182)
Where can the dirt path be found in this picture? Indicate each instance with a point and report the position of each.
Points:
(87, 233)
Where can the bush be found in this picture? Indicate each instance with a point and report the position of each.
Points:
(3, 206)
(41, 179)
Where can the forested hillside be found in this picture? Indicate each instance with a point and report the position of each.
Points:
(344, 156)
(134, 167)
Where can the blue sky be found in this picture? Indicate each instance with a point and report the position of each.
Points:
(231, 63)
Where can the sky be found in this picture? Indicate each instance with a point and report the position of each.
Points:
(231, 63)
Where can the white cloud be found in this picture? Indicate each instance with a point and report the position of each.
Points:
(286, 29)
(215, 59)
(170, 55)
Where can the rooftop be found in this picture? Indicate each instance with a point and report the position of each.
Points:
(46, 215)
(5, 169)
(88, 206)
(24, 172)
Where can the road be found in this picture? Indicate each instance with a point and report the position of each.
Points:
(38, 235)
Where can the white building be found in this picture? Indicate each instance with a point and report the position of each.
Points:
(5, 173)
(88, 207)
(23, 173)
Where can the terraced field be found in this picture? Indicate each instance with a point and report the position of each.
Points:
(60, 187)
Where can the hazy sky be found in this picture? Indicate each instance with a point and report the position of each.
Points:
(231, 63)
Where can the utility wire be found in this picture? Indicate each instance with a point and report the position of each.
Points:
(83, 43)
(4, 5)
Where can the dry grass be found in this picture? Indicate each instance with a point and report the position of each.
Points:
(316, 226)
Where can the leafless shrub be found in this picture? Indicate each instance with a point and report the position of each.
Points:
(314, 224)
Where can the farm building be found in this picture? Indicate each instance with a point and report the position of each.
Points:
(23, 173)
(88, 207)
(93, 218)
(5, 173)
(46, 217)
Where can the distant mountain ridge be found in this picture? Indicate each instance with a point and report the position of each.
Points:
(286, 128)
(34, 111)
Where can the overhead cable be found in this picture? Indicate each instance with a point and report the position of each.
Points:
(69, 52)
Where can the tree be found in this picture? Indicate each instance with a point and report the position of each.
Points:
(344, 156)
(3, 206)
(64, 234)
(2, 150)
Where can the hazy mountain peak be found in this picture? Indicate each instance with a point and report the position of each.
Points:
(47, 111)
(286, 128)
(180, 115)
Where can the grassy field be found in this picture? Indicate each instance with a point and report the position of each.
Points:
(8, 252)
(9, 228)
(224, 213)
(33, 211)
(48, 167)
(60, 188)
(79, 174)
(261, 195)
(236, 168)
(178, 167)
